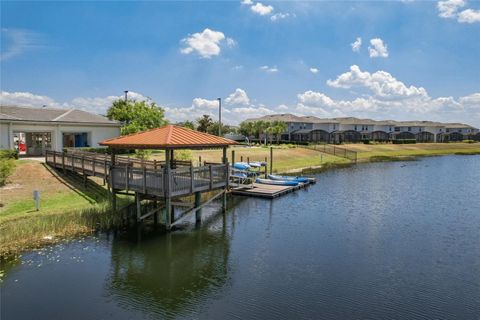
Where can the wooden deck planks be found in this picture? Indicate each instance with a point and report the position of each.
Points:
(267, 190)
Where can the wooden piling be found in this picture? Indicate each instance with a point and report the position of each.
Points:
(198, 213)
(271, 160)
(139, 206)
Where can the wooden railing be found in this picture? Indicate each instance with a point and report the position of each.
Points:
(152, 164)
(180, 181)
(146, 179)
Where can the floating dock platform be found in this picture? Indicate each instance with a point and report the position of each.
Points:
(268, 191)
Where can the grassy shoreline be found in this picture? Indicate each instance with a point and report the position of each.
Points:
(68, 208)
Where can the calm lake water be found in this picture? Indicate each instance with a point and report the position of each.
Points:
(398, 240)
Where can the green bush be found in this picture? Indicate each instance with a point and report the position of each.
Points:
(184, 155)
(366, 141)
(8, 154)
(7, 165)
(469, 141)
(143, 154)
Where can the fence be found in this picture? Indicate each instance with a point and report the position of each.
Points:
(180, 181)
(334, 150)
(150, 178)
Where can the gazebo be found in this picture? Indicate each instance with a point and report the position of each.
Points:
(168, 182)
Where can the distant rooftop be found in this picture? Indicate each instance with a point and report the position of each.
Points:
(287, 117)
(18, 113)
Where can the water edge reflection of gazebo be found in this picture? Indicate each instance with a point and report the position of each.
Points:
(169, 181)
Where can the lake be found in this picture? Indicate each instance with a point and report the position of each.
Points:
(396, 240)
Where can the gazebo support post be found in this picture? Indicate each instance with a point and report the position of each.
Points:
(198, 213)
(112, 185)
(168, 200)
(155, 215)
(227, 178)
(139, 206)
(172, 166)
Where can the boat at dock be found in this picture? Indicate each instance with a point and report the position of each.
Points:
(288, 178)
(277, 182)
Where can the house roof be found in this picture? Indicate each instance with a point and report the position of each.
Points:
(168, 137)
(17, 113)
(285, 117)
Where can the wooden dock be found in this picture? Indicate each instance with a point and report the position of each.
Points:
(268, 191)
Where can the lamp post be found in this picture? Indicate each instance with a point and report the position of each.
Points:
(219, 117)
(126, 95)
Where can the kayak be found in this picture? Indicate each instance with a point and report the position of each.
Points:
(239, 175)
(258, 164)
(255, 164)
(277, 182)
(287, 178)
(241, 166)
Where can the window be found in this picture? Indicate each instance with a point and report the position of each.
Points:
(355, 128)
(390, 129)
(397, 128)
(409, 128)
(448, 130)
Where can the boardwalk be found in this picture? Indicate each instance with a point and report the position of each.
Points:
(145, 177)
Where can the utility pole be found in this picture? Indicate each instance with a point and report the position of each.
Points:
(126, 95)
(219, 117)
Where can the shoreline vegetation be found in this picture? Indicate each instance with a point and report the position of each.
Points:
(68, 208)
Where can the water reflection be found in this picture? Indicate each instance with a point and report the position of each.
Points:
(165, 275)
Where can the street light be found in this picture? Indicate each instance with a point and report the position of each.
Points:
(219, 117)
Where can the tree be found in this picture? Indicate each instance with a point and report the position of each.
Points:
(189, 124)
(213, 128)
(279, 127)
(204, 123)
(247, 128)
(136, 115)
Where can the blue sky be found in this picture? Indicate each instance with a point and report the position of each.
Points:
(260, 57)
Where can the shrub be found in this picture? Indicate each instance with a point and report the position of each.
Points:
(184, 155)
(7, 165)
(366, 141)
(8, 154)
(469, 141)
(143, 154)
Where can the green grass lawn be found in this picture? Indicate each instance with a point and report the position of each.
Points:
(284, 158)
(367, 151)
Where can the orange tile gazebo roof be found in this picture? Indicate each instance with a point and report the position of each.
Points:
(168, 137)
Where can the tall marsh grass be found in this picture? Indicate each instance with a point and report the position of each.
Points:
(31, 232)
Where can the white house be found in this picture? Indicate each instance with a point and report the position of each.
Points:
(34, 130)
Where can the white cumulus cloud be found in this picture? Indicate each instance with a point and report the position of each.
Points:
(206, 43)
(469, 16)
(314, 70)
(450, 9)
(239, 97)
(356, 45)
(377, 48)
(261, 9)
(382, 84)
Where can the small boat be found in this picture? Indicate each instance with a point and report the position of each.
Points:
(239, 175)
(288, 178)
(277, 182)
(255, 164)
(258, 164)
(241, 166)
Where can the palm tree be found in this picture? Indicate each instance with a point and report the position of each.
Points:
(204, 122)
(279, 128)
